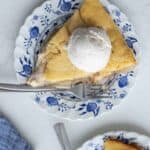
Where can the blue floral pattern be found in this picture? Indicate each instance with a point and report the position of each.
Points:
(34, 32)
(123, 80)
(131, 41)
(27, 67)
(53, 100)
(90, 107)
(67, 5)
(97, 143)
(44, 20)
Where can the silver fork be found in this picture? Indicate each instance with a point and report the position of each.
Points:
(82, 90)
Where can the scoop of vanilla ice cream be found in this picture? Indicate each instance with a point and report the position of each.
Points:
(89, 49)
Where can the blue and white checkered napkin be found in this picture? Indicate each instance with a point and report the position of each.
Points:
(10, 139)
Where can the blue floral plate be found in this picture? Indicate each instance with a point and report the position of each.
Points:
(97, 143)
(43, 22)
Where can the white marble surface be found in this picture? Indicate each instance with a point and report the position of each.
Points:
(35, 124)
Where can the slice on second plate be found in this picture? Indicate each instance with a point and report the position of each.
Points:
(116, 145)
(53, 65)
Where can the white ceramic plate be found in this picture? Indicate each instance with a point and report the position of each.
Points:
(97, 143)
(43, 22)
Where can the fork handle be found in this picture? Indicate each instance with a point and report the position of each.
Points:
(62, 136)
(26, 88)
